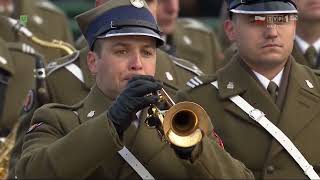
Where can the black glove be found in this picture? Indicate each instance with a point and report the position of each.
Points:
(133, 99)
(183, 153)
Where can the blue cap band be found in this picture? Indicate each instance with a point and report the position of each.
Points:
(118, 18)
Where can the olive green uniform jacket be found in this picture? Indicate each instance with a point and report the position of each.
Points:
(198, 44)
(43, 18)
(18, 85)
(246, 140)
(67, 87)
(299, 56)
(73, 142)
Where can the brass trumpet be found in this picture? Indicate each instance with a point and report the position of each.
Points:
(184, 124)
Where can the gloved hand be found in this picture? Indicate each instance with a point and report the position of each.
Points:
(133, 99)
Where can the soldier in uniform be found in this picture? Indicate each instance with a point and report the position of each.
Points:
(263, 91)
(42, 18)
(188, 38)
(18, 85)
(307, 44)
(122, 55)
(39, 14)
(307, 41)
(73, 73)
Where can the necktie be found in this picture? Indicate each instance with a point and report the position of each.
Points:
(273, 90)
(311, 56)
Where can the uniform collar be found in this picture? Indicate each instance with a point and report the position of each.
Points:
(265, 81)
(303, 45)
(94, 104)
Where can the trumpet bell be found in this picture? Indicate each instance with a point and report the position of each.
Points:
(185, 124)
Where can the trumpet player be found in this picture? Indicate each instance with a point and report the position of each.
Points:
(103, 136)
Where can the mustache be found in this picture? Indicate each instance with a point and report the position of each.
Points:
(272, 44)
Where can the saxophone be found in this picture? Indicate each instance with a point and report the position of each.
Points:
(22, 30)
(7, 144)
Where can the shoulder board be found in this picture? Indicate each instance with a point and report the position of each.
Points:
(62, 106)
(198, 81)
(62, 62)
(193, 24)
(46, 5)
(187, 65)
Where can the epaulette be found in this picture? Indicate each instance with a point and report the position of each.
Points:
(62, 106)
(46, 5)
(198, 81)
(187, 65)
(194, 24)
(62, 62)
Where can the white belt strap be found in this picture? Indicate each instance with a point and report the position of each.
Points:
(76, 71)
(260, 118)
(135, 164)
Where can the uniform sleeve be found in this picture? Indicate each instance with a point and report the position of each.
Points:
(24, 124)
(49, 151)
(210, 159)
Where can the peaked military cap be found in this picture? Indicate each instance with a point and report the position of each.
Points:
(119, 18)
(262, 6)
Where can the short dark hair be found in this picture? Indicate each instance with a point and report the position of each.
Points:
(230, 15)
(97, 47)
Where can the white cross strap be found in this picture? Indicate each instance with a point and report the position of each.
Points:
(285, 142)
(135, 164)
(76, 71)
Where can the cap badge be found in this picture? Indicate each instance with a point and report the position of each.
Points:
(137, 3)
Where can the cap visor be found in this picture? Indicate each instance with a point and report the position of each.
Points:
(134, 31)
(272, 7)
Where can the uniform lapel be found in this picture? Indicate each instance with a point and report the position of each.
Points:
(93, 105)
(165, 71)
(301, 105)
(235, 79)
(145, 136)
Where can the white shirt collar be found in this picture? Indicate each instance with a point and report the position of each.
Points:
(265, 81)
(304, 45)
